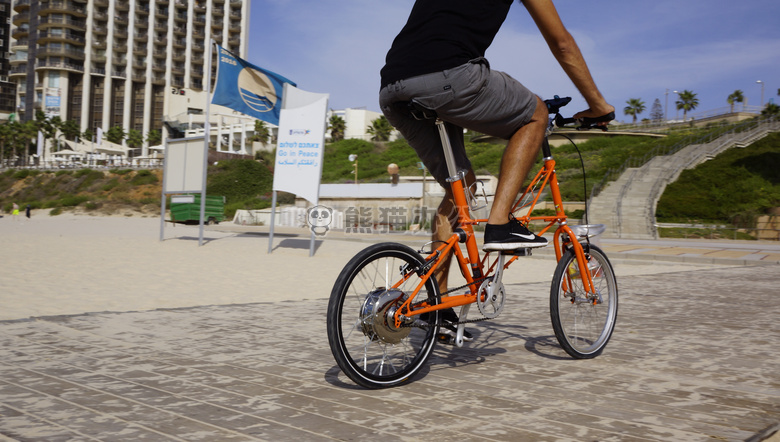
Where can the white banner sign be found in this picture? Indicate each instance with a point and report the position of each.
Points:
(299, 155)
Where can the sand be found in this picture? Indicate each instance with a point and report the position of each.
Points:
(74, 264)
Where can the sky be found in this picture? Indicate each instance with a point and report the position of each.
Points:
(634, 49)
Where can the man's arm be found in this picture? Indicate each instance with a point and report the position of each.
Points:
(568, 54)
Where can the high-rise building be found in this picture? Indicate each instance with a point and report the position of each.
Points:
(7, 88)
(137, 64)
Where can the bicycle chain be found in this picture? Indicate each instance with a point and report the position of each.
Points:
(468, 321)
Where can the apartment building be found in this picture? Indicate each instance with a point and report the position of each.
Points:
(138, 64)
(7, 88)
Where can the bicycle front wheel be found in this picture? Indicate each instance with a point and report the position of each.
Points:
(583, 322)
(362, 333)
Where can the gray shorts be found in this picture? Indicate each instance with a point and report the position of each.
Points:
(470, 96)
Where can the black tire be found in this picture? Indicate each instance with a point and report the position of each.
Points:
(368, 349)
(582, 324)
(211, 221)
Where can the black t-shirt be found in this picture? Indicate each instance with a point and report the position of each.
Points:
(443, 34)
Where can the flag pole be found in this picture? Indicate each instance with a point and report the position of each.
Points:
(206, 138)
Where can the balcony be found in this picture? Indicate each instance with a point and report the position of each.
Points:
(180, 17)
(179, 43)
(48, 51)
(118, 72)
(60, 6)
(18, 58)
(160, 26)
(179, 56)
(20, 32)
(22, 17)
(21, 44)
(121, 19)
(62, 65)
(139, 49)
(70, 22)
(158, 53)
(122, 5)
(141, 37)
(180, 30)
(21, 5)
(63, 37)
(99, 30)
(20, 70)
(142, 8)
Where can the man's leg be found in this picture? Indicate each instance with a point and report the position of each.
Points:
(519, 156)
(443, 225)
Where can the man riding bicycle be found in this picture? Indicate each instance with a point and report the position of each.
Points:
(437, 62)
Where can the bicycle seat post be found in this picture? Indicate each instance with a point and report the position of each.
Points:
(449, 157)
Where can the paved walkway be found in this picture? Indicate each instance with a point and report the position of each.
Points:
(694, 357)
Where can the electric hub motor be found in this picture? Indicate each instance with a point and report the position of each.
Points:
(377, 313)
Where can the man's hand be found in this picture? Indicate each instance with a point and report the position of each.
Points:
(602, 111)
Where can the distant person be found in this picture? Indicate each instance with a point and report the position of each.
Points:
(27, 211)
(15, 211)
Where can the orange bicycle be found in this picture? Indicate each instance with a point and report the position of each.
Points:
(385, 308)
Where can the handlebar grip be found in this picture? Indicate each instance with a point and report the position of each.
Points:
(591, 123)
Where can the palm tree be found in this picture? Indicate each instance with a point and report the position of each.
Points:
(135, 138)
(635, 107)
(153, 137)
(25, 133)
(116, 135)
(262, 132)
(337, 127)
(5, 136)
(70, 129)
(771, 110)
(380, 129)
(736, 97)
(687, 102)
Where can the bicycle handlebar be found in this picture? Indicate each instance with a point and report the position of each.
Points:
(555, 104)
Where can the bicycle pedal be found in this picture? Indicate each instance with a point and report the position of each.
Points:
(445, 339)
(524, 251)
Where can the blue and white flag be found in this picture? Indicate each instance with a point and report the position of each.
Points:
(247, 88)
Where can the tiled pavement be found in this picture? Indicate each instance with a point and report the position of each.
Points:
(694, 357)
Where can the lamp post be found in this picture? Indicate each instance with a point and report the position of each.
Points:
(353, 157)
(762, 92)
(666, 107)
(677, 115)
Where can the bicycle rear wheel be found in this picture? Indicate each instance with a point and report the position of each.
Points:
(583, 322)
(363, 338)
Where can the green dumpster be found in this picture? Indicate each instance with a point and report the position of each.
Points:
(186, 209)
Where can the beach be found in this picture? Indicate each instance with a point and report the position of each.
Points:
(72, 264)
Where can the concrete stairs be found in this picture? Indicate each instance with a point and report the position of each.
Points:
(627, 205)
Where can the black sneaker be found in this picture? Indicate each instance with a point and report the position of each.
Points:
(448, 330)
(510, 236)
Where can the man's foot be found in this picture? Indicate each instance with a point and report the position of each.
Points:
(510, 236)
(448, 330)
